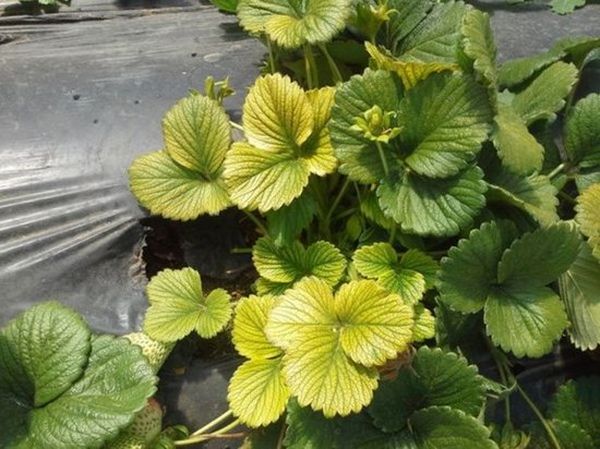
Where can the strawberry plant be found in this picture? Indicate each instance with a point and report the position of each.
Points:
(411, 197)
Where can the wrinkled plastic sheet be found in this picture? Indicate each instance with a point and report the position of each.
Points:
(82, 94)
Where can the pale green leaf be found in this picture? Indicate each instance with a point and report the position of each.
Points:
(358, 155)
(277, 114)
(445, 428)
(291, 23)
(424, 327)
(178, 306)
(226, 5)
(249, 323)
(436, 39)
(262, 179)
(582, 130)
(538, 258)
(438, 207)
(410, 72)
(369, 206)
(517, 71)
(289, 264)
(478, 43)
(258, 393)
(168, 189)
(566, 6)
(197, 135)
(526, 321)
(516, 146)
(544, 96)
(588, 216)
(435, 378)
(286, 223)
(376, 326)
(533, 194)
(578, 402)
(115, 385)
(478, 255)
(580, 291)
(445, 120)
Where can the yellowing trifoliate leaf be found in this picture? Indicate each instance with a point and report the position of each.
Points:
(178, 306)
(288, 264)
(326, 337)
(544, 96)
(435, 39)
(249, 323)
(439, 207)
(588, 216)
(197, 134)
(287, 142)
(521, 314)
(478, 43)
(445, 119)
(258, 393)
(582, 141)
(291, 23)
(424, 327)
(435, 378)
(580, 289)
(516, 146)
(526, 321)
(405, 277)
(175, 192)
(410, 72)
(185, 180)
(358, 155)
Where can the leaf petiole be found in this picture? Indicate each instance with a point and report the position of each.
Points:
(236, 126)
(335, 71)
(540, 417)
(256, 221)
(386, 168)
(559, 169)
(312, 78)
(221, 433)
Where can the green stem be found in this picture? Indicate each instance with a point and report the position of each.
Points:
(236, 126)
(569, 199)
(218, 420)
(241, 251)
(540, 417)
(337, 201)
(256, 221)
(386, 169)
(344, 214)
(221, 433)
(335, 71)
(560, 168)
(393, 235)
(272, 65)
(312, 78)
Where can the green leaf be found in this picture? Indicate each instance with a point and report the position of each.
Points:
(544, 96)
(446, 118)
(287, 142)
(178, 306)
(445, 428)
(197, 135)
(175, 192)
(477, 255)
(533, 194)
(580, 291)
(44, 352)
(308, 429)
(358, 155)
(566, 6)
(570, 436)
(517, 71)
(405, 277)
(286, 223)
(517, 147)
(438, 207)
(582, 142)
(248, 333)
(578, 402)
(369, 206)
(436, 38)
(478, 43)
(588, 216)
(538, 258)
(292, 24)
(226, 5)
(116, 384)
(435, 378)
(405, 16)
(258, 393)
(291, 263)
(325, 339)
(526, 321)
